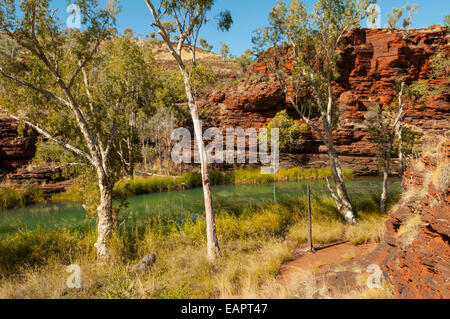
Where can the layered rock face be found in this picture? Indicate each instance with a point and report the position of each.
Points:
(371, 61)
(15, 150)
(418, 231)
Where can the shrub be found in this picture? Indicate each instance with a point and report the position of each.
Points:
(9, 198)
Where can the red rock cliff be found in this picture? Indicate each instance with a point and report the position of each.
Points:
(372, 60)
(15, 151)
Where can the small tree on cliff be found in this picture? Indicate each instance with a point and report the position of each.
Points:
(50, 88)
(224, 50)
(245, 60)
(303, 57)
(447, 21)
(190, 17)
(384, 124)
(397, 13)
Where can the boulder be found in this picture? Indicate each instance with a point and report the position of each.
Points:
(145, 264)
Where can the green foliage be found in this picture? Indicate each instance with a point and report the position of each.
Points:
(170, 27)
(170, 88)
(95, 87)
(447, 21)
(9, 198)
(205, 45)
(14, 197)
(245, 60)
(225, 21)
(83, 94)
(421, 90)
(224, 50)
(380, 125)
(84, 189)
(290, 136)
(440, 65)
(202, 78)
(38, 248)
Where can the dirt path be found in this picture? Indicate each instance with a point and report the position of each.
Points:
(337, 270)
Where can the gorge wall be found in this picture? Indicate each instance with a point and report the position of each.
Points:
(15, 150)
(371, 61)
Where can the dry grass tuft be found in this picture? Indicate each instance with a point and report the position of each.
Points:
(409, 232)
(441, 177)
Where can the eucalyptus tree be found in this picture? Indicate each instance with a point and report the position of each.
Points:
(71, 91)
(245, 60)
(384, 124)
(304, 56)
(190, 16)
(224, 50)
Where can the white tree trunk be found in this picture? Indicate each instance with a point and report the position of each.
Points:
(400, 151)
(386, 166)
(385, 189)
(211, 234)
(340, 196)
(105, 218)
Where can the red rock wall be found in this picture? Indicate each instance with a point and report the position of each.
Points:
(15, 151)
(418, 258)
(372, 59)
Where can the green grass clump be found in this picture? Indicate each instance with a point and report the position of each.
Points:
(253, 176)
(14, 197)
(9, 198)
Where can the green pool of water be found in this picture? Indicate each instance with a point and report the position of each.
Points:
(179, 203)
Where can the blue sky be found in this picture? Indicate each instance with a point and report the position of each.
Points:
(248, 15)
